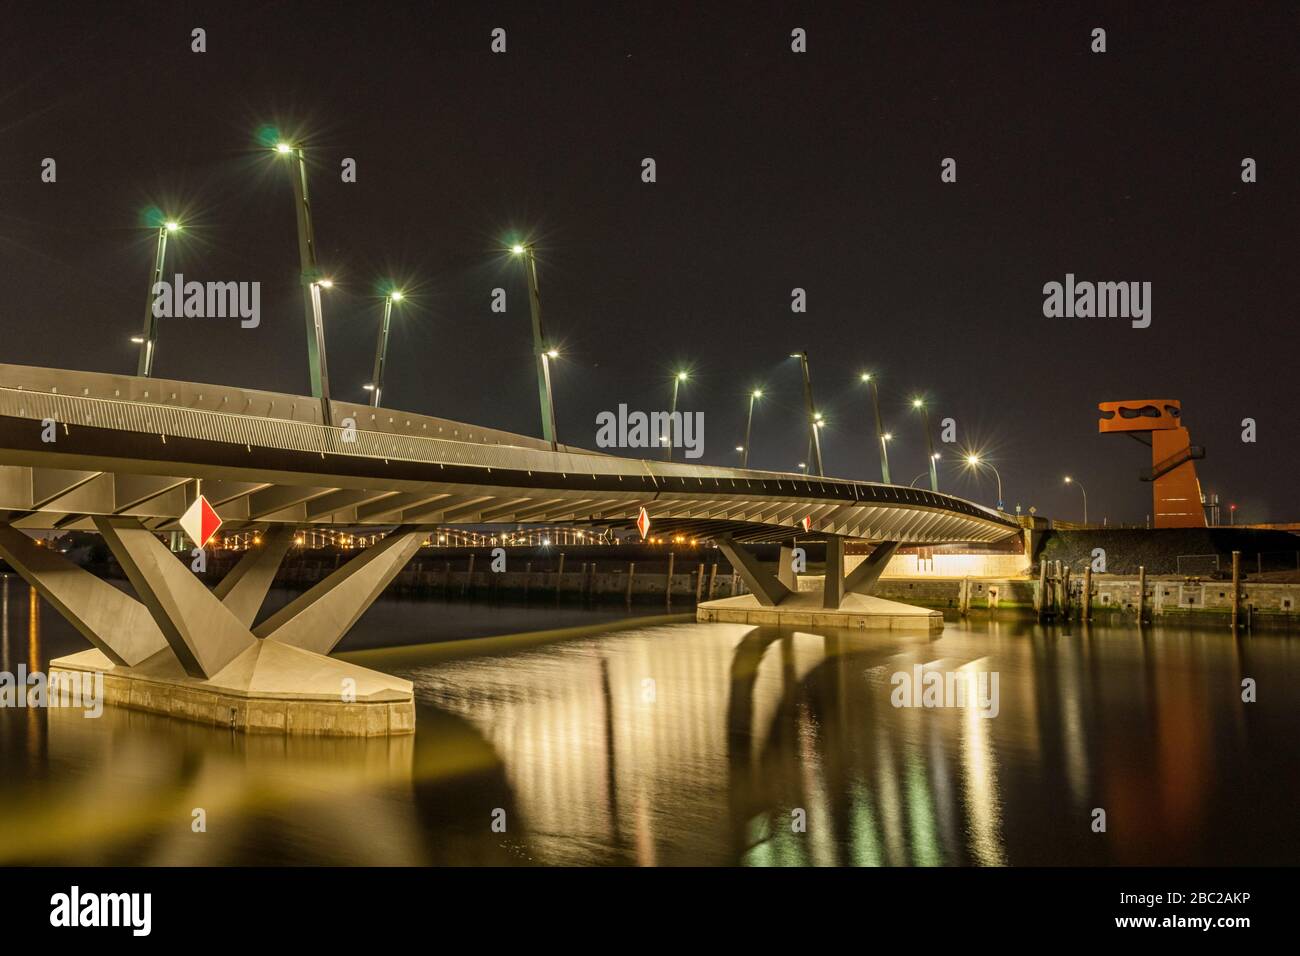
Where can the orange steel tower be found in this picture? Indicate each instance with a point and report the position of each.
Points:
(1158, 423)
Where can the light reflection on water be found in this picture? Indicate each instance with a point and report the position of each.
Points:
(698, 744)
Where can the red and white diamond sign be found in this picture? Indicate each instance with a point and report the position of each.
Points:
(643, 523)
(200, 522)
(807, 522)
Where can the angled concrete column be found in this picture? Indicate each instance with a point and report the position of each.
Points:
(244, 587)
(112, 621)
(202, 631)
(785, 568)
(318, 619)
(833, 596)
(868, 572)
(768, 589)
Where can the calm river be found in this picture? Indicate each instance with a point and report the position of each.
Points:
(682, 743)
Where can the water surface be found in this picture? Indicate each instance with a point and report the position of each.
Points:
(689, 743)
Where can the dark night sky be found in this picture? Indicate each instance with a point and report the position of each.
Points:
(775, 170)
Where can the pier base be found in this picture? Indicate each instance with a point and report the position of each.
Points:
(804, 609)
(270, 688)
(842, 602)
(181, 650)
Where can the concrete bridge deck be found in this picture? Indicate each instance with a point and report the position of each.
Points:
(74, 445)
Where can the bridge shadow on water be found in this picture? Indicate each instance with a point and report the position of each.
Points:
(135, 788)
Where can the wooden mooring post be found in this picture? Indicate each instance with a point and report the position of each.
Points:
(1040, 595)
(469, 575)
(1056, 590)
(1236, 590)
(559, 576)
(668, 582)
(1142, 594)
(1085, 603)
(631, 576)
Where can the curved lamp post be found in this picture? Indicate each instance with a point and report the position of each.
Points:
(381, 349)
(148, 339)
(920, 405)
(1071, 481)
(814, 420)
(544, 355)
(975, 461)
(317, 366)
(749, 422)
(672, 412)
(881, 437)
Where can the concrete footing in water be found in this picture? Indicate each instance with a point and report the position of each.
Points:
(805, 609)
(181, 650)
(270, 688)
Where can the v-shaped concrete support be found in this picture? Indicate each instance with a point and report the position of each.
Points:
(866, 574)
(318, 619)
(766, 587)
(111, 620)
(244, 587)
(204, 634)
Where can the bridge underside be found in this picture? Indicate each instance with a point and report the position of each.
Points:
(47, 498)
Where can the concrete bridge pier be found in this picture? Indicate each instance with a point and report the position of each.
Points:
(844, 601)
(182, 650)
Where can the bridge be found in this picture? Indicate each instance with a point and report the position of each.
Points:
(125, 456)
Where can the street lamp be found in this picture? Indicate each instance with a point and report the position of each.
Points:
(544, 392)
(381, 349)
(975, 461)
(920, 405)
(148, 341)
(881, 437)
(1071, 481)
(311, 280)
(814, 420)
(934, 460)
(672, 413)
(749, 422)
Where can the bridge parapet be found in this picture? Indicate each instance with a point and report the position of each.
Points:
(261, 468)
(253, 402)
